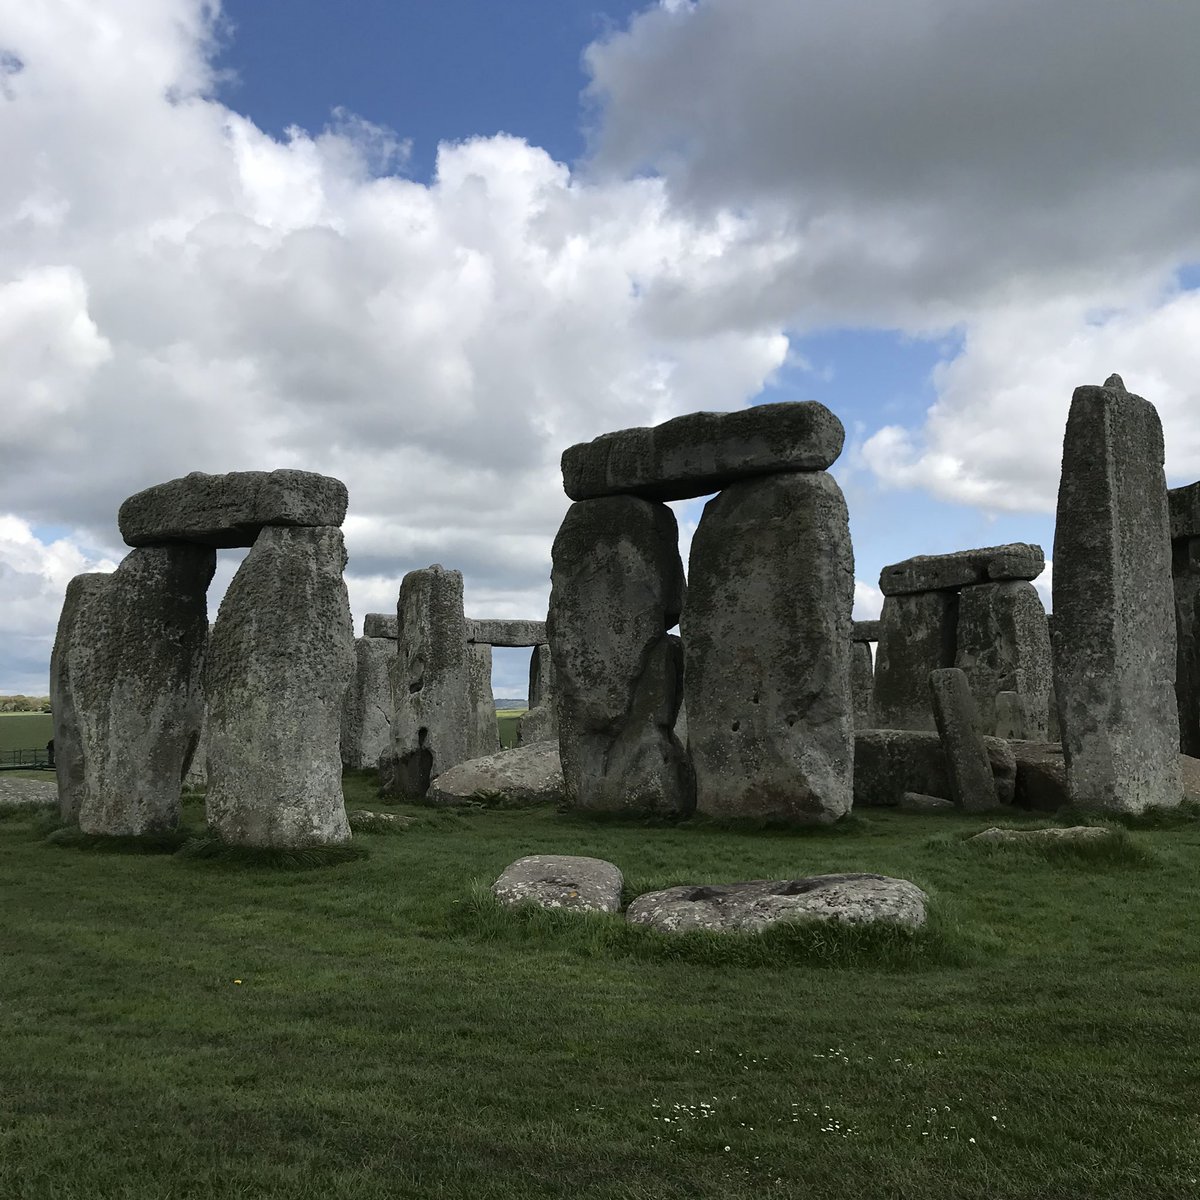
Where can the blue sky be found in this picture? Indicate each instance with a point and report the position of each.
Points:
(425, 246)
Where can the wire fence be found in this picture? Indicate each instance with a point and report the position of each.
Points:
(26, 760)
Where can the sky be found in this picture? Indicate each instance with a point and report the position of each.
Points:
(424, 247)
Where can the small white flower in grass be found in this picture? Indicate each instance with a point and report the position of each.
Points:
(971, 1140)
(726, 1147)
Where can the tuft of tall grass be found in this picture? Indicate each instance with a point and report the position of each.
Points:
(208, 848)
(1117, 851)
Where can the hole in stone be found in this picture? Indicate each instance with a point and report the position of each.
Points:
(754, 698)
(422, 736)
(417, 686)
(736, 726)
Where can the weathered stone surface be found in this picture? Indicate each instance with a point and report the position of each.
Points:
(381, 625)
(862, 683)
(1010, 722)
(229, 510)
(432, 721)
(617, 589)
(1185, 575)
(918, 634)
(1114, 620)
(133, 656)
(1041, 776)
(506, 633)
(865, 631)
(766, 634)
(195, 771)
(942, 572)
(561, 881)
(1004, 646)
(1041, 837)
(681, 726)
(703, 452)
(367, 709)
(279, 662)
(518, 778)
(485, 732)
(366, 820)
(538, 725)
(890, 762)
(27, 795)
(854, 899)
(917, 802)
(74, 642)
(968, 764)
(541, 676)
(1184, 508)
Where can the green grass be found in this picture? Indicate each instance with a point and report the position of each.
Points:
(25, 731)
(395, 1033)
(506, 719)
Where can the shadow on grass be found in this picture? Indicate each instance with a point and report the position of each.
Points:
(209, 849)
(1182, 816)
(72, 837)
(850, 825)
(891, 947)
(1117, 851)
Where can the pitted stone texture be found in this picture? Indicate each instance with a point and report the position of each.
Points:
(279, 662)
(1010, 723)
(766, 634)
(948, 572)
(890, 762)
(541, 676)
(135, 664)
(73, 643)
(617, 588)
(1184, 507)
(195, 771)
(432, 724)
(506, 633)
(381, 625)
(1185, 567)
(968, 765)
(917, 802)
(1114, 620)
(485, 731)
(862, 683)
(854, 899)
(703, 452)
(1004, 646)
(367, 709)
(865, 631)
(918, 635)
(230, 510)
(1041, 837)
(538, 725)
(567, 881)
(518, 778)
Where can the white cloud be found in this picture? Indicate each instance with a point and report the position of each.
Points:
(868, 601)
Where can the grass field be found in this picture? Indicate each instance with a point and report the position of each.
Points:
(25, 731)
(195, 1031)
(506, 719)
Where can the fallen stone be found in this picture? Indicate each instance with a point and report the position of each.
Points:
(766, 634)
(890, 762)
(862, 683)
(506, 633)
(230, 510)
(1114, 619)
(968, 764)
(918, 635)
(865, 631)
(367, 709)
(948, 572)
(916, 802)
(561, 881)
(381, 625)
(617, 588)
(279, 662)
(702, 453)
(364, 819)
(1041, 837)
(522, 777)
(854, 899)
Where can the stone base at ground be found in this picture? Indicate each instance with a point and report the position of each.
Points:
(752, 906)
(517, 778)
(1042, 777)
(890, 762)
(561, 881)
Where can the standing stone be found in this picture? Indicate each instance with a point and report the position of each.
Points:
(1010, 718)
(766, 635)
(541, 675)
(1185, 569)
(918, 634)
(367, 711)
(862, 683)
(73, 646)
(195, 773)
(1004, 646)
(540, 723)
(485, 731)
(969, 767)
(134, 659)
(432, 723)
(279, 663)
(1114, 620)
(617, 589)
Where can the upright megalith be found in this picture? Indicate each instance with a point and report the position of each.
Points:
(279, 662)
(617, 587)
(484, 731)
(367, 709)
(1114, 619)
(862, 683)
(132, 649)
(767, 639)
(540, 723)
(918, 634)
(432, 723)
(969, 767)
(1185, 571)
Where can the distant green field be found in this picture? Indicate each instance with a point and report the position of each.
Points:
(506, 719)
(24, 731)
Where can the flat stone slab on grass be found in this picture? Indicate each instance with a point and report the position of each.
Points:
(918, 802)
(1041, 837)
(948, 572)
(561, 881)
(364, 818)
(230, 510)
(27, 793)
(703, 452)
(518, 778)
(854, 899)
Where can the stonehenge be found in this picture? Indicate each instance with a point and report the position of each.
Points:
(1184, 505)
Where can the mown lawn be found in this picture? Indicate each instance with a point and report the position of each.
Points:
(189, 1029)
(506, 720)
(25, 731)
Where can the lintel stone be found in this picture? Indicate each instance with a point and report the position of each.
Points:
(506, 633)
(949, 572)
(1185, 511)
(865, 631)
(381, 625)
